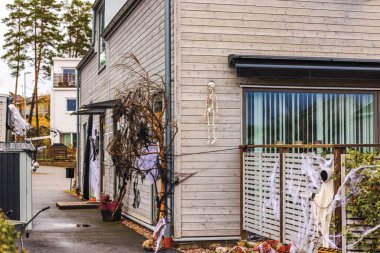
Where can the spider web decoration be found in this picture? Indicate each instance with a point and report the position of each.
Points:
(142, 124)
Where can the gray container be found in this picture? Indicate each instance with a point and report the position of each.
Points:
(16, 180)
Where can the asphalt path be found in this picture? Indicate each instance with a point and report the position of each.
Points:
(56, 230)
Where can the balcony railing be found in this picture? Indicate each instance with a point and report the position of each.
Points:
(65, 80)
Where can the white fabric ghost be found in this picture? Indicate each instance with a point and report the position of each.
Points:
(159, 232)
(323, 200)
(18, 124)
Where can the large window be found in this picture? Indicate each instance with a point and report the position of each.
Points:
(308, 117)
(69, 77)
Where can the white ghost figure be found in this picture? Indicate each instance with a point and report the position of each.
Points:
(18, 124)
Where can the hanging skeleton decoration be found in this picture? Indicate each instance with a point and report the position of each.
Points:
(211, 111)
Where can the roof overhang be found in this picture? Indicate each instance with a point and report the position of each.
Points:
(306, 68)
(102, 105)
(94, 111)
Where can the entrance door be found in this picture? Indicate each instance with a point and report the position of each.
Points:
(102, 130)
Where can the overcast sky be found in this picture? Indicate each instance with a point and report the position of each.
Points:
(6, 81)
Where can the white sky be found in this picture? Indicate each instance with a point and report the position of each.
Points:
(7, 82)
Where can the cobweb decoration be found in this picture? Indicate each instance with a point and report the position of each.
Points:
(18, 124)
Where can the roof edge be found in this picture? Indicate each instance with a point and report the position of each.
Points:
(86, 58)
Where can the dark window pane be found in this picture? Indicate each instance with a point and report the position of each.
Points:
(71, 105)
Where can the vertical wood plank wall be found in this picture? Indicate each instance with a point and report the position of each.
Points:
(208, 31)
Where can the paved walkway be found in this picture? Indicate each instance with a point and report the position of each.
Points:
(55, 230)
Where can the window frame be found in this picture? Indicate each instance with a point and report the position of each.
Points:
(67, 100)
(100, 26)
(374, 92)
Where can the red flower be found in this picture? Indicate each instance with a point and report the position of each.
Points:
(106, 204)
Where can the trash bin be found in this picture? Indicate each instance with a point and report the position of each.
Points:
(69, 172)
(16, 180)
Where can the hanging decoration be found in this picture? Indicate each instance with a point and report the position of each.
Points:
(323, 199)
(158, 233)
(273, 201)
(18, 125)
(211, 112)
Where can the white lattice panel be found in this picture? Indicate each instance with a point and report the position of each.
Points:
(293, 212)
(257, 170)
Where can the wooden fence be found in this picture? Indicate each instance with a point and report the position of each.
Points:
(258, 165)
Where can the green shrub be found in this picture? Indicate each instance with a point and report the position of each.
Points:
(366, 204)
(7, 237)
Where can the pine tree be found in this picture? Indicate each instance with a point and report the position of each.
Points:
(44, 38)
(77, 18)
(15, 40)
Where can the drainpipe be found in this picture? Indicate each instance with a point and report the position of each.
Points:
(168, 133)
(78, 130)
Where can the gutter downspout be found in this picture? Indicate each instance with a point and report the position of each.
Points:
(78, 131)
(168, 132)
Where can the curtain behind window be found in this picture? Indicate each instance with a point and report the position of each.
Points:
(330, 118)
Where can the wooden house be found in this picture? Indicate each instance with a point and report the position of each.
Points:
(285, 71)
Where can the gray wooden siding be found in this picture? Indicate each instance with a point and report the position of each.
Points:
(143, 35)
(207, 32)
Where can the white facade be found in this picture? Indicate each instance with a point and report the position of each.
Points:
(63, 101)
(3, 116)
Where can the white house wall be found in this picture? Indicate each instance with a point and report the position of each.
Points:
(143, 35)
(3, 116)
(61, 63)
(208, 204)
(60, 118)
(206, 32)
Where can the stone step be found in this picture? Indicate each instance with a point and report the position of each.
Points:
(78, 205)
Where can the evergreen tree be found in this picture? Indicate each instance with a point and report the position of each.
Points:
(77, 19)
(15, 40)
(44, 38)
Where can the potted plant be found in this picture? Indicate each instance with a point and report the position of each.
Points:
(110, 209)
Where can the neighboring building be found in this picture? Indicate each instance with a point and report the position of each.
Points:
(43, 112)
(3, 116)
(63, 101)
(270, 88)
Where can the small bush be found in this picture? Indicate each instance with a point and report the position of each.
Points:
(7, 236)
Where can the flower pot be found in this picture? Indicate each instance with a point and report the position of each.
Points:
(107, 215)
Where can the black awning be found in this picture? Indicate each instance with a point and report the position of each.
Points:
(308, 68)
(94, 111)
(102, 105)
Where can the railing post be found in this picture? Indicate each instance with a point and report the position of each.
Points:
(282, 151)
(338, 151)
(243, 233)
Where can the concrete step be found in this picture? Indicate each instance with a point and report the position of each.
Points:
(77, 205)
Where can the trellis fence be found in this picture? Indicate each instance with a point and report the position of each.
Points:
(272, 177)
